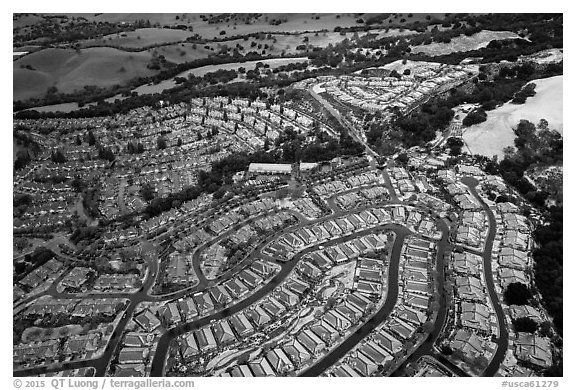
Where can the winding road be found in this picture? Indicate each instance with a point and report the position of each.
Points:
(381, 315)
(502, 340)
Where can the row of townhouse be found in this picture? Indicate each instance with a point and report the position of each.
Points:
(290, 243)
(219, 296)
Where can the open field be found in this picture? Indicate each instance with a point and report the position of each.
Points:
(141, 38)
(463, 43)
(62, 107)
(69, 70)
(491, 137)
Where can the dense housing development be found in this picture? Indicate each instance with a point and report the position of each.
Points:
(317, 218)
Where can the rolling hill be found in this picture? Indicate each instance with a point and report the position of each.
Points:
(69, 70)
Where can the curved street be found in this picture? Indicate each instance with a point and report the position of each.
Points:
(380, 316)
(502, 340)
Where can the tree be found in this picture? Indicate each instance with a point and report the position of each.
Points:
(91, 138)
(218, 194)
(402, 159)
(455, 145)
(161, 143)
(22, 160)
(525, 324)
(517, 294)
(58, 157)
(106, 154)
(147, 192)
(78, 184)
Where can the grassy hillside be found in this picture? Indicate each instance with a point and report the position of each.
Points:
(30, 83)
(69, 70)
(291, 22)
(141, 38)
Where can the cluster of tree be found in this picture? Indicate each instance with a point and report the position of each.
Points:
(548, 263)
(421, 125)
(159, 62)
(443, 35)
(375, 130)
(78, 184)
(159, 205)
(134, 147)
(525, 324)
(58, 157)
(22, 137)
(147, 192)
(90, 138)
(161, 143)
(344, 147)
(90, 202)
(220, 76)
(32, 260)
(528, 91)
(85, 233)
(22, 159)
(476, 116)
(517, 294)
(291, 67)
(542, 147)
(105, 153)
(455, 145)
(325, 57)
(20, 203)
